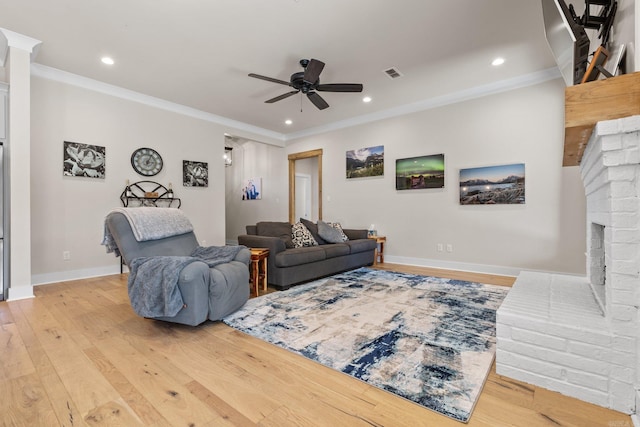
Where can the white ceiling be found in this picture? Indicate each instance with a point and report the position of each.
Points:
(198, 52)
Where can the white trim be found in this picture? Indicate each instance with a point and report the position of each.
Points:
(54, 74)
(20, 292)
(63, 276)
(21, 42)
(439, 101)
(49, 73)
(453, 265)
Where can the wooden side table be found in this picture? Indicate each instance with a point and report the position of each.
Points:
(379, 254)
(259, 268)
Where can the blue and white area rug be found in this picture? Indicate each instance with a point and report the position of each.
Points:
(427, 339)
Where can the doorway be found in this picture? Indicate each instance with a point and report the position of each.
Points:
(303, 196)
(312, 154)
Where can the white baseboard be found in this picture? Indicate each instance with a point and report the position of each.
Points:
(453, 265)
(20, 292)
(42, 279)
(63, 276)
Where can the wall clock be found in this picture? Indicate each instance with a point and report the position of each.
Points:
(146, 161)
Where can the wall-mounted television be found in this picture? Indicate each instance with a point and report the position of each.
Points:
(568, 40)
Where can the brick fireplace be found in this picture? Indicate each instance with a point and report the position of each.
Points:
(580, 336)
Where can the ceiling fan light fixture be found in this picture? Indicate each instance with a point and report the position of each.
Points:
(366, 99)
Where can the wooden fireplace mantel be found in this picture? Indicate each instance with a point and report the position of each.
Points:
(588, 103)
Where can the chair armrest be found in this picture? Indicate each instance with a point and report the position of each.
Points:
(274, 244)
(355, 234)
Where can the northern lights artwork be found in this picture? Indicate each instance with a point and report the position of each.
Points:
(420, 172)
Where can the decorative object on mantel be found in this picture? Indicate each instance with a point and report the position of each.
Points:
(492, 185)
(195, 174)
(83, 160)
(146, 161)
(149, 193)
(365, 162)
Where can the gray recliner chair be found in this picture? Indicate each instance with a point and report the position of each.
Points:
(207, 293)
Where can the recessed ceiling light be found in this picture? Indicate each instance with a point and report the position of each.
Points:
(107, 60)
(366, 99)
(497, 61)
(288, 122)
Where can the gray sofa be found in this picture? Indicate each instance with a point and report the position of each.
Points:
(287, 265)
(208, 293)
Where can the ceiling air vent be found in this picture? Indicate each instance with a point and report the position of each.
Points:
(393, 73)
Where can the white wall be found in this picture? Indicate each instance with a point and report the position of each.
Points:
(253, 159)
(524, 125)
(68, 212)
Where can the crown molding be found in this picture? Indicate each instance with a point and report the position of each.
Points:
(55, 74)
(439, 101)
(530, 79)
(12, 39)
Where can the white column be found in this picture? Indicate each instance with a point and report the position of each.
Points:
(18, 152)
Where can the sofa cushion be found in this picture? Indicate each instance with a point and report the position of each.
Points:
(331, 232)
(313, 228)
(336, 249)
(301, 236)
(282, 230)
(297, 256)
(361, 245)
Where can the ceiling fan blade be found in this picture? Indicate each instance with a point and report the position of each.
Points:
(312, 71)
(340, 87)
(317, 100)
(269, 79)
(281, 97)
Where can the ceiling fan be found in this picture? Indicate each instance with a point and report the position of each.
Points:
(308, 82)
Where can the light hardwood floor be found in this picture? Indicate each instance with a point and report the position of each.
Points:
(77, 355)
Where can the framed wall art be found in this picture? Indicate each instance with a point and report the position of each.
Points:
(416, 173)
(365, 162)
(492, 185)
(252, 189)
(83, 160)
(195, 174)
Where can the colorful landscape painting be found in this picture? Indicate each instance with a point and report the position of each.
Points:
(365, 162)
(416, 173)
(492, 185)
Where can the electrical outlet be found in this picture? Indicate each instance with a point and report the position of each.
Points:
(449, 247)
(440, 247)
(66, 255)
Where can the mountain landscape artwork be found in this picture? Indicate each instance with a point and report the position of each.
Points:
(365, 162)
(492, 185)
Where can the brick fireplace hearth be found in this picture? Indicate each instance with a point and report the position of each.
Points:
(580, 335)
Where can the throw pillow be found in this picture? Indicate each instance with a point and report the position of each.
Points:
(281, 230)
(313, 228)
(338, 227)
(301, 236)
(331, 232)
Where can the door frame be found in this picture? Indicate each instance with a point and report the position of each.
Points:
(292, 180)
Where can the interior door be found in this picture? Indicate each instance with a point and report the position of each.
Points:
(303, 196)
